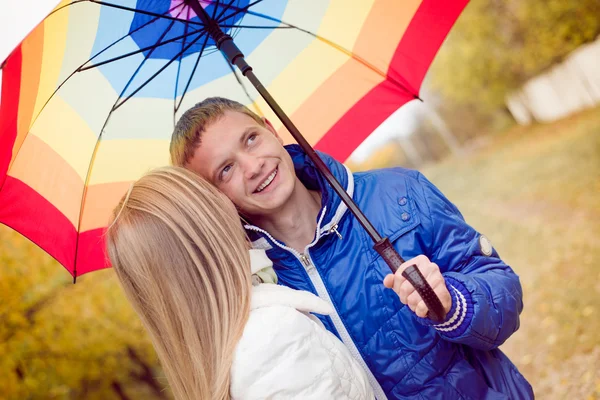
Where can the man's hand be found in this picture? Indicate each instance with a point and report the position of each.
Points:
(407, 292)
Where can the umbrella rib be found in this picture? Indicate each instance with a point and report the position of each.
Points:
(338, 47)
(237, 11)
(246, 9)
(256, 26)
(197, 62)
(179, 69)
(112, 44)
(149, 13)
(291, 26)
(154, 46)
(65, 6)
(119, 104)
(230, 5)
(146, 57)
(81, 67)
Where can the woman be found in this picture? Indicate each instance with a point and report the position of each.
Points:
(182, 258)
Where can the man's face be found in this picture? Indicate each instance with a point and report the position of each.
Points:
(247, 162)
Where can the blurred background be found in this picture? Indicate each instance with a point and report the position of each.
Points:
(509, 129)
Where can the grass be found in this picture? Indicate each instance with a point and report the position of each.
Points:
(535, 192)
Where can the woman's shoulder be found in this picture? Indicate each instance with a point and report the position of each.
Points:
(270, 295)
(279, 316)
(283, 353)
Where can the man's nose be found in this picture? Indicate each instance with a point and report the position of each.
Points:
(252, 166)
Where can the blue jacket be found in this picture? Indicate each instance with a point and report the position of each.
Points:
(406, 357)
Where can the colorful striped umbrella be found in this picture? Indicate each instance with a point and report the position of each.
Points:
(90, 97)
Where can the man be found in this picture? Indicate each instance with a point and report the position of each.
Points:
(317, 245)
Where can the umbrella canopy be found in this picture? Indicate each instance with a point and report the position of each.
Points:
(90, 97)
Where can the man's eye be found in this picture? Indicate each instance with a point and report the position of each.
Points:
(224, 171)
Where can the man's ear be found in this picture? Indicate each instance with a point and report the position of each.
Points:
(270, 127)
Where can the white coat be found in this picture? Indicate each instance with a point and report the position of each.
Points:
(285, 353)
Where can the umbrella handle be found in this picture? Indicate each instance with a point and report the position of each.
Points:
(414, 276)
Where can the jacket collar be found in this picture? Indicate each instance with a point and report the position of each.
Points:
(259, 260)
(332, 207)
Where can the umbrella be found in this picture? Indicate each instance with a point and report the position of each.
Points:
(90, 97)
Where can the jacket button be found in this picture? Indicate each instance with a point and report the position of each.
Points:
(402, 201)
(405, 216)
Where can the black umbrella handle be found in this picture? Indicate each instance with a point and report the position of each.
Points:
(414, 276)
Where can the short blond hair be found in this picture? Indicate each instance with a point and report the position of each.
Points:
(187, 134)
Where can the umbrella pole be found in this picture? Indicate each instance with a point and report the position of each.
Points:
(382, 245)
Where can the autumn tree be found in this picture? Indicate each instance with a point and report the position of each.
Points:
(65, 341)
(496, 46)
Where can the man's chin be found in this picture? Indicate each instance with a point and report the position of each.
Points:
(265, 209)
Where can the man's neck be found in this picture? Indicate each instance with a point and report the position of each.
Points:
(296, 222)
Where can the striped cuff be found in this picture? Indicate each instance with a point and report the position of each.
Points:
(460, 315)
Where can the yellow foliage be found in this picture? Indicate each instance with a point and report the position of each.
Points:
(496, 45)
(65, 341)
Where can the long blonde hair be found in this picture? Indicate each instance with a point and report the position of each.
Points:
(180, 253)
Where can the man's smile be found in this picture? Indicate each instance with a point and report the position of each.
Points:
(269, 179)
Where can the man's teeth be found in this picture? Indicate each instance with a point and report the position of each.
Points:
(267, 181)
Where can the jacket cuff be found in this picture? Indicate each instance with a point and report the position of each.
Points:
(460, 315)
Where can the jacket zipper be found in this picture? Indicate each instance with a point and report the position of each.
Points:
(334, 230)
(306, 262)
(319, 286)
(322, 292)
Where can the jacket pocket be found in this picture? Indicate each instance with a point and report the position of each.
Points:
(398, 220)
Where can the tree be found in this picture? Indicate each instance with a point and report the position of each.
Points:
(65, 341)
(496, 45)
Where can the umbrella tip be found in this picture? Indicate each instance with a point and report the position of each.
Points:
(74, 279)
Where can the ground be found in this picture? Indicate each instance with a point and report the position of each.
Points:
(535, 192)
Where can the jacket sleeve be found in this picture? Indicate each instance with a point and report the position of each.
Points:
(487, 298)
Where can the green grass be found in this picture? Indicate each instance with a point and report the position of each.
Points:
(535, 192)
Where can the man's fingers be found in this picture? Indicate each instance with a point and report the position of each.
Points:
(388, 281)
(420, 261)
(435, 280)
(421, 309)
(404, 290)
(407, 293)
(413, 300)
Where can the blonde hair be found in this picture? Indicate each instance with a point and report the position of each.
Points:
(181, 256)
(187, 134)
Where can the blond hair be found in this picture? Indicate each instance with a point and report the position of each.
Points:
(187, 134)
(181, 256)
